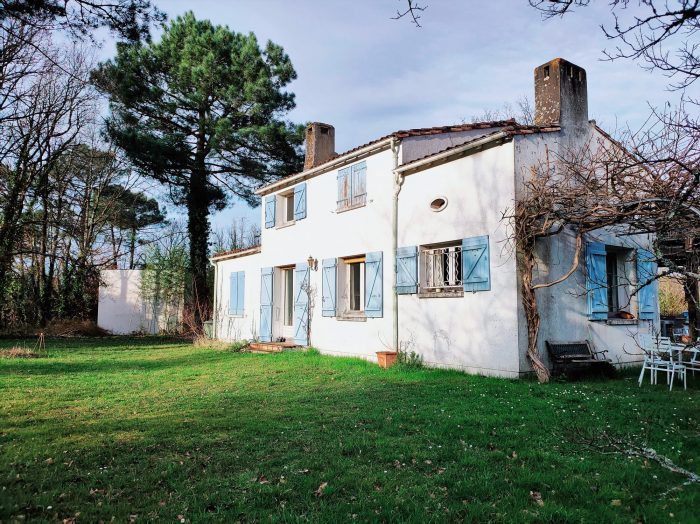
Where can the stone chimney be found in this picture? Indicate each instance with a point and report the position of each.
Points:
(320, 144)
(561, 96)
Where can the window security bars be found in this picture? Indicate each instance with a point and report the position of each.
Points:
(443, 268)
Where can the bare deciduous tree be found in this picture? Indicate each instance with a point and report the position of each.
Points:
(648, 183)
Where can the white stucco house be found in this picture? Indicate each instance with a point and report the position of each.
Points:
(429, 202)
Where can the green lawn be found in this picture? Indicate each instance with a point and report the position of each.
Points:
(154, 429)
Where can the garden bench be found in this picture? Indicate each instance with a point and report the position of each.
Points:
(577, 357)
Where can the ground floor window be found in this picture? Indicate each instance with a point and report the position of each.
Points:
(351, 284)
(442, 268)
(618, 265)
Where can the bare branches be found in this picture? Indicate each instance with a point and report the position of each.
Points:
(664, 36)
(646, 183)
(523, 112)
(607, 444)
(413, 10)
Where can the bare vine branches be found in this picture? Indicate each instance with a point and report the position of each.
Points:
(648, 183)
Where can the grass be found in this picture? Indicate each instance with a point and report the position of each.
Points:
(145, 429)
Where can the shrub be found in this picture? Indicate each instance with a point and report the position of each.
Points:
(38, 351)
(239, 345)
(220, 345)
(671, 298)
(73, 328)
(409, 360)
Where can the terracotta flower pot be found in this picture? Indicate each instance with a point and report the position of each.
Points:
(386, 359)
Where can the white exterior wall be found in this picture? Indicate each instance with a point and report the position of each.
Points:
(324, 233)
(121, 309)
(240, 327)
(477, 332)
(483, 332)
(564, 307)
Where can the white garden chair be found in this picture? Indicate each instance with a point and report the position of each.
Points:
(658, 356)
(676, 366)
(694, 363)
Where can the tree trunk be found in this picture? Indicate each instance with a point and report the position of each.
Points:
(532, 315)
(198, 230)
(132, 247)
(44, 305)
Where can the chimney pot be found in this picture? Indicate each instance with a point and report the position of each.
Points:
(320, 144)
(561, 95)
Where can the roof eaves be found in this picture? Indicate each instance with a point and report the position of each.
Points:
(504, 133)
(401, 134)
(235, 253)
(472, 146)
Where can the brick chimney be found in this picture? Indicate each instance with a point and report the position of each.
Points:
(320, 144)
(561, 95)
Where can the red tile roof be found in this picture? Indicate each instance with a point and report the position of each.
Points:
(511, 124)
(425, 131)
(510, 130)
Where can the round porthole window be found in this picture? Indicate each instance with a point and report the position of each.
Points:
(438, 204)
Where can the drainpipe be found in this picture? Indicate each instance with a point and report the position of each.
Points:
(216, 286)
(398, 182)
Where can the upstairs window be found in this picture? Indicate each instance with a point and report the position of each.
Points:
(352, 186)
(285, 209)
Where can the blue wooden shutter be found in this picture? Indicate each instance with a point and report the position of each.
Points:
(233, 294)
(300, 201)
(344, 194)
(329, 289)
(301, 303)
(266, 304)
(407, 270)
(240, 292)
(373, 285)
(476, 266)
(596, 281)
(270, 211)
(358, 184)
(646, 280)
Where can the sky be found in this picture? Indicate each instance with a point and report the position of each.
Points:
(369, 75)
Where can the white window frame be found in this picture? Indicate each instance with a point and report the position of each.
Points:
(626, 281)
(440, 269)
(285, 207)
(344, 288)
